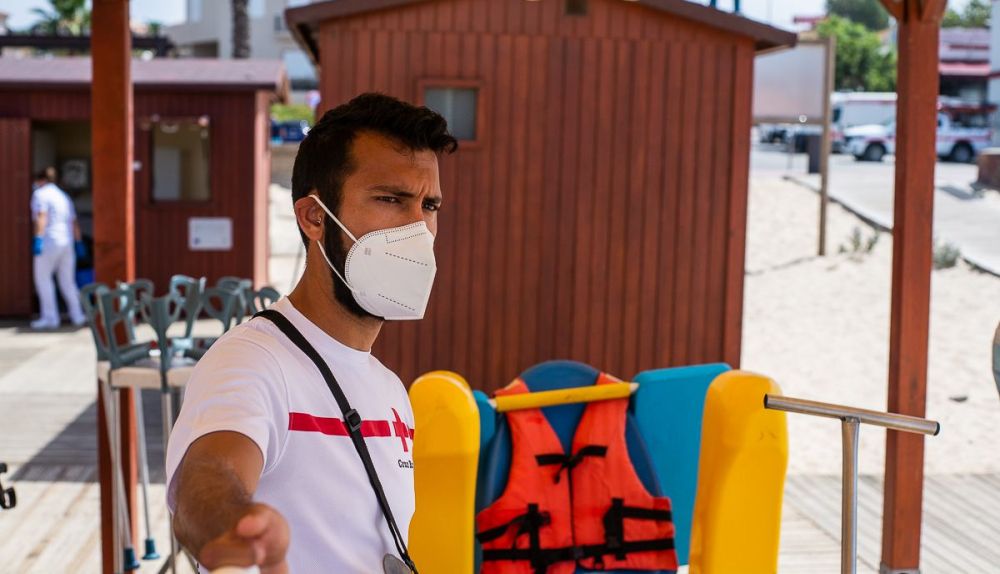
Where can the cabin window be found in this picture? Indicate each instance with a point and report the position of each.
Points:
(255, 9)
(181, 159)
(576, 7)
(194, 11)
(459, 106)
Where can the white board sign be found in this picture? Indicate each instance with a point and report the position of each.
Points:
(788, 85)
(210, 234)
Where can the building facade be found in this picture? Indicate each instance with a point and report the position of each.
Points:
(201, 169)
(207, 32)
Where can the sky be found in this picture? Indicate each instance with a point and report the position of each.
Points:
(777, 12)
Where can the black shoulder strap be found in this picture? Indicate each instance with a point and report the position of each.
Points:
(351, 419)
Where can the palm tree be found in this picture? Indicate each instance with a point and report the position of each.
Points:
(241, 29)
(64, 17)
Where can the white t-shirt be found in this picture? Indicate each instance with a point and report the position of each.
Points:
(54, 202)
(256, 382)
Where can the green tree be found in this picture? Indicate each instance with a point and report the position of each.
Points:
(63, 17)
(868, 13)
(975, 15)
(862, 63)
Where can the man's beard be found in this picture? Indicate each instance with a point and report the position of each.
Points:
(335, 243)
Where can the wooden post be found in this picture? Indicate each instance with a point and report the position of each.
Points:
(912, 247)
(114, 232)
(830, 43)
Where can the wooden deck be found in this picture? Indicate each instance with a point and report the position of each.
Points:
(48, 437)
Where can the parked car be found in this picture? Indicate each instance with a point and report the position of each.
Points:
(961, 134)
(289, 131)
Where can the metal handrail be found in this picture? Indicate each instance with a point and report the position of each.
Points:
(851, 419)
(892, 421)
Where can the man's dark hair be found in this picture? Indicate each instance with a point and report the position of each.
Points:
(324, 158)
(47, 174)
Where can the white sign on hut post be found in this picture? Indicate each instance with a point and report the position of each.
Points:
(210, 234)
(793, 87)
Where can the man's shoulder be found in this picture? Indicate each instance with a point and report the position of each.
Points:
(253, 341)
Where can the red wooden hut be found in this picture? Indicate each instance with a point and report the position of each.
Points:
(201, 163)
(596, 209)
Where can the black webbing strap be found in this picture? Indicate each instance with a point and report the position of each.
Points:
(574, 553)
(569, 462)
(530, 520)
(530, 523)
(351, 419)
(614, 525)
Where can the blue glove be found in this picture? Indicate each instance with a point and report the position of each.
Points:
(81, 250)
(36, 247)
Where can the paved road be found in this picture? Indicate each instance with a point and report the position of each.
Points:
(962, 218)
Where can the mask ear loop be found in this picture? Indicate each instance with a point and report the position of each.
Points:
(320, 243)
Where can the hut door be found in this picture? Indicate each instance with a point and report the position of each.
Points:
(15, 216)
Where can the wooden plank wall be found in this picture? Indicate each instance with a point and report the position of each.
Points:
(16, 231)
(239, 187)
(602, 218)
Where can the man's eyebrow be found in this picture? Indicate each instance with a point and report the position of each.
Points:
(396, 190)
(399, 191)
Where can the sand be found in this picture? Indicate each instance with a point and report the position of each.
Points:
(820, 328)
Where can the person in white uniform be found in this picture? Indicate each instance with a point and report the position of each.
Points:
(265, 464)
(55, 245)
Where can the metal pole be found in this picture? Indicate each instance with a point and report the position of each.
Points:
(824, 147)
(849, 498)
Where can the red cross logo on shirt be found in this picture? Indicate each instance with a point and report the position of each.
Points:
(400, 430)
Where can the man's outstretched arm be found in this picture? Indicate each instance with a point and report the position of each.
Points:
(216, 518)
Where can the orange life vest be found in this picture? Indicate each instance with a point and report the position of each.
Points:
(588, 508)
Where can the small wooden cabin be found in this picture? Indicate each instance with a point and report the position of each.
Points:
(597, 207)
(202, 163)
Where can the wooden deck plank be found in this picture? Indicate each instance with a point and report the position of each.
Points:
(959, 531)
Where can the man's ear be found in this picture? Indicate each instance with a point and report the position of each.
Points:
(310, 217)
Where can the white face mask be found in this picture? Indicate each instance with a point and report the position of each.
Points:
(389, 271)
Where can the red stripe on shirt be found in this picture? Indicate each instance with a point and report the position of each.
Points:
(336, 427)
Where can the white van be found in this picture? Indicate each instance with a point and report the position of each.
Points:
(850, 109)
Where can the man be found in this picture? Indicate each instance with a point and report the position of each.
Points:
(55, 245)
(261, 470)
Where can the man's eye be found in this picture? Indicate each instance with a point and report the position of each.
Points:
(388, 199)
(432, 206)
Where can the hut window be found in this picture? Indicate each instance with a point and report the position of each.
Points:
(576, 7)
(181, 159)
(194, 11)
(458, 105)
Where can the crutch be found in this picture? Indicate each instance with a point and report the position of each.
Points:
(140, 423)
(850, 421)
(167, 413)
(126, 559)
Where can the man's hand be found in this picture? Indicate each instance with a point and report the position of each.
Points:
(260, 538)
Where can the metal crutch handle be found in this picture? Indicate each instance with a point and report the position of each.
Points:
(851, 419)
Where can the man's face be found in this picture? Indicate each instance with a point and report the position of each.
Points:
(390, 186)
